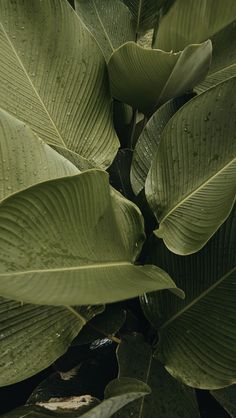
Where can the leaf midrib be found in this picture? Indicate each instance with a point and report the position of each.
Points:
(75, 268)
(32, 85)
(205, 183)
(197, 299)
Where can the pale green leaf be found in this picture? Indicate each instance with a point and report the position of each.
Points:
(118, 393)
(62, 243)
(25, 159)
(198, 335)
(33, 336)
(146, 78)
(191, 184)
(53, 77)
(191, 21)
(147, 144)
(168, 398)
(110, 22)
(227, 398)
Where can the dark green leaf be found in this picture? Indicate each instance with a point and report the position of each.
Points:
(168, 399)
(198, 334)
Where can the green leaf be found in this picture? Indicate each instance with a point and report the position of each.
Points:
(104, 325)
(198, 335)
(227, 398)
(145, 13)
(61, 244)
(53, 77)
(148, 142)
(110, 22)
(191, 184)
(118, 393)
(168, 399)
(146, 78)
(25, 159)
(32, 336)
(190, 21)
(223, 63)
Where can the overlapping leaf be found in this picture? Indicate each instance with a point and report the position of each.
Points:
(53, 77)
(147, 144)
(223, 64)
(191, 184)
(110, 22)
(145, 13)
(197, 335)
(168, 399)
(118, 393)
(190, 21)
(146, 78)
(32, 336)
(61, 243)
(25, 159)
(104, 325)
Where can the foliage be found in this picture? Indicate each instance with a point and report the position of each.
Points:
(117, 192)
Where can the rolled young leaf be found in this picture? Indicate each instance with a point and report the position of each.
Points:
(53, 77)
(198, 335)
(32, 337)
(191, 184)
(62, 244)
(110, 22)
(146, 78)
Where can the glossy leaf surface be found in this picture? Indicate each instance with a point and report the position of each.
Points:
(53, 77)
(191, 184)
(61, 244)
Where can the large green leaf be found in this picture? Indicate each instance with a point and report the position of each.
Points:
(168, 399)
(191, 184)
(191, 21)
(118, 393)
(227, 398)
(147, 144)
(223, 63)
(198, 335)
(26, 159)
(62, 243)
(53, 77)
(110, 22)
(146, 78)
(33, 336)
